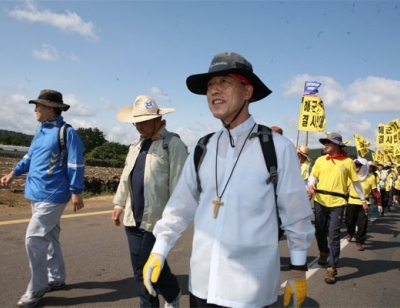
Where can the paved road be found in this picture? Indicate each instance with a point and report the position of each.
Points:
(100, 274)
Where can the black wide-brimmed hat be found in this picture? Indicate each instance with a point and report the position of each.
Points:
(50, 98)
(228, 63)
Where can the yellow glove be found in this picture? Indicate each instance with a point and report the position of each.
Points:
(296, 286)
(151, 272)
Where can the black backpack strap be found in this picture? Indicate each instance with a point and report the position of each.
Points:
(199, 152)
(264, 134)
(62, 142)
(167, 139)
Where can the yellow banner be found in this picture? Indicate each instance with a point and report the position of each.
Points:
(312, 114)
(395, 130)
(380, 157)
(361, 144)
(380, 136)
(388, 134)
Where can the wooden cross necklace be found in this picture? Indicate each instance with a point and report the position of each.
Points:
(217, 203)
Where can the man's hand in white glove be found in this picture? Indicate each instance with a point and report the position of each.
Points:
(151, 272)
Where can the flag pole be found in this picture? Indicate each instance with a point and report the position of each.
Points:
(307, 138)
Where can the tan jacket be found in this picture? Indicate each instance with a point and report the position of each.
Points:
(162, 171)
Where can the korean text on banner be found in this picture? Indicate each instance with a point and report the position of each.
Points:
(312, 114)
(361, 144)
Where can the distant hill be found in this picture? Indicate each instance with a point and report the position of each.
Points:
(4, 132)
(8, 137)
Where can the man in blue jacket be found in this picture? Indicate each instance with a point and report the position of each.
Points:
(50, 184)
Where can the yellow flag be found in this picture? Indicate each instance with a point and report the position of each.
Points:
(380, 157)
(361, 144)
(394, 128)
(312, 114)
(380, 136)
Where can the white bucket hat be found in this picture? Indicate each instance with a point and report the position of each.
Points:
(144, 108)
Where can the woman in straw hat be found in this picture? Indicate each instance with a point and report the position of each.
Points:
(152, 169)
(305, 161)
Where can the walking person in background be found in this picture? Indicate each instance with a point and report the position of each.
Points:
(375, 211)
(51, 183)
(356, 212)
(235, 253)
(396, 186)
(152, 169)
(388, 200)
(305, 162)
(277, 129)
(382, 173)
(332, 171)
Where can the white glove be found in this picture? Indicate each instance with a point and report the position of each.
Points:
(380, 208)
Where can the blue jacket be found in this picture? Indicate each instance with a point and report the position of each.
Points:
(47, 181)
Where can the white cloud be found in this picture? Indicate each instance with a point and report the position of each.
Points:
(48, 53)
(373, 94)
(157, 92)
(68, 22)
(124, 134)
(78, 108)
(16, 114)
(107, 104)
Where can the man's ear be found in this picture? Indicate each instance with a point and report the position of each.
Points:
(249, 92)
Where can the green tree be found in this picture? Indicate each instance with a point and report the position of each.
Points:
(112, 152)
(91, 138)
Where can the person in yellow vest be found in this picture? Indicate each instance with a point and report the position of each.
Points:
(356, 212)
(396, 186)
(388, 200)
(305, 161)
(332, 171)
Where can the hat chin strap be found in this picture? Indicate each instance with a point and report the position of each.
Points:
(227, 126)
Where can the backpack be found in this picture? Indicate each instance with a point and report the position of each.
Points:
(167, 139)
(62, 141)
(264, 134)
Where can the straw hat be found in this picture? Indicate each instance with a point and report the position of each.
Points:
(304, 150)
(144, 108)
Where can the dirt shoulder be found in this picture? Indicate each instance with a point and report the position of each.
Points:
(22, 206)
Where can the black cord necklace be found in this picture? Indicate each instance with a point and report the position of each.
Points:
(217, 203)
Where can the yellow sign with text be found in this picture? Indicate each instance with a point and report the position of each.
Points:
(312, 114)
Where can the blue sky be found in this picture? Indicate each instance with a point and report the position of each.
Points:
(102, 54)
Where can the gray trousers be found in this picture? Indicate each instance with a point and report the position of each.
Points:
(42, 243)
(328, 221)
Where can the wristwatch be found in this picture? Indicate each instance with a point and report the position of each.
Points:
(299, 267)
